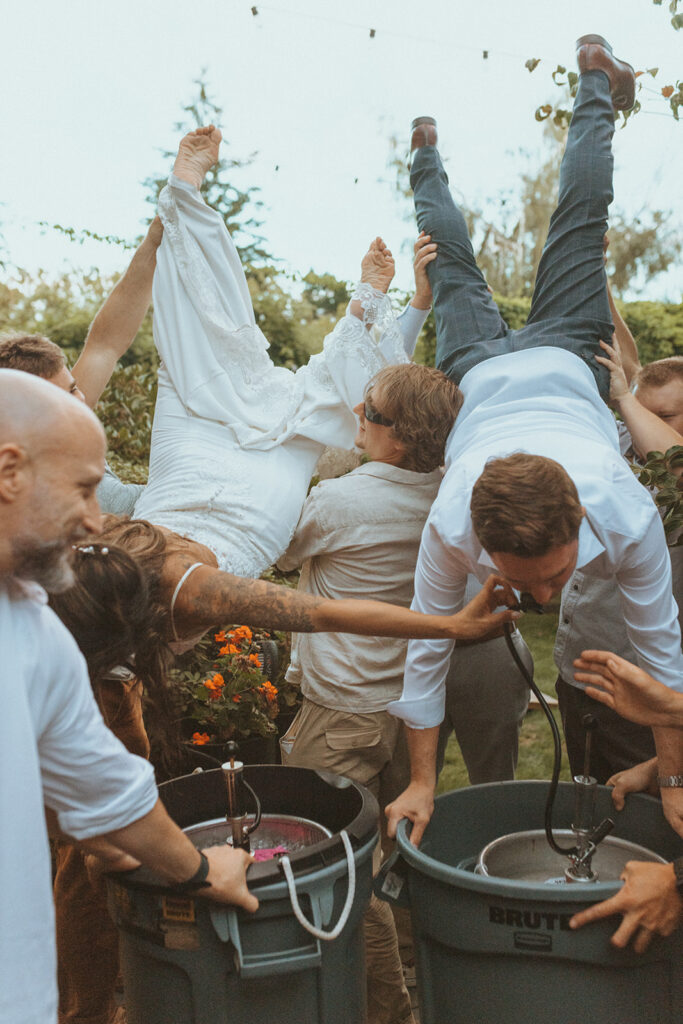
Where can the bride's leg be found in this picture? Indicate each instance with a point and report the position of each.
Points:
(201, 297)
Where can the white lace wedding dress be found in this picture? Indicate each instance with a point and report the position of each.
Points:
(236, 439)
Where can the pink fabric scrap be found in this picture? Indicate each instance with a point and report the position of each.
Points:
(269, 853)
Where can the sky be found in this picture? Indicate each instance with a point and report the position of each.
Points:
(90, 93)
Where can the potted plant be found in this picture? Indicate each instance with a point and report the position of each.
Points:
(223, 694)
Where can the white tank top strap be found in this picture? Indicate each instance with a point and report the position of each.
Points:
(177, 591)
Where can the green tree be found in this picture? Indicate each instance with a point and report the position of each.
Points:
(62, 309)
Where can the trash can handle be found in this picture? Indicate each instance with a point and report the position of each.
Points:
(261, 964)
(320, 933)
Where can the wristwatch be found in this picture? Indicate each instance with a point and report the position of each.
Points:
(670, 781)
(198, 879)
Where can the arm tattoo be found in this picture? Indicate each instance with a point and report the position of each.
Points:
(213, 597)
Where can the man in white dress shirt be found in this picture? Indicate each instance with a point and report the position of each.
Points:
(534, 450)
(54, 747)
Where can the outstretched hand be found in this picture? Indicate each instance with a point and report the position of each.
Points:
(479, 620)
(628, 690)
(425, 253)
(618, 384)
(649, 902)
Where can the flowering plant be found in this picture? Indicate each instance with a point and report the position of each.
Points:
(222, 691)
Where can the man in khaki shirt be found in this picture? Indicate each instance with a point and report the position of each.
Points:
(360, 534)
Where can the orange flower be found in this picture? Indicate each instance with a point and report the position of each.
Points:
(229, 649)
(241, 633)
(254, 660)
(237, 698)
(216, 684)
(269, 691)
(219, 637)
(200, 738)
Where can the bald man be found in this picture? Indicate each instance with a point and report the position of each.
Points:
(54, 748)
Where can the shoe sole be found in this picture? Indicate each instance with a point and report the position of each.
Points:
(422, 120)
(599, 40)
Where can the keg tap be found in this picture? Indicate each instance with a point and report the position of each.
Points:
(587, 837)
(238, 788)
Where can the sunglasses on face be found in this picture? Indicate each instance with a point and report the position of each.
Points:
(373, 416)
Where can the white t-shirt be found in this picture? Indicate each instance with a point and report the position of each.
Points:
(543, 401)
(54, 750)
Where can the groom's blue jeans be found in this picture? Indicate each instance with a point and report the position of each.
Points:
(569, 308)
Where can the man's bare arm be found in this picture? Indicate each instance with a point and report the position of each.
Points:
(417, 801)
(669, 744)
(113, 330)
(626, 341)
(210, 597)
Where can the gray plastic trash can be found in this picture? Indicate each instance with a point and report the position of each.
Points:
(186, 960)
(491, 950)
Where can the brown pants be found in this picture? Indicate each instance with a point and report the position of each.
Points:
(87, 940)
(369, 749)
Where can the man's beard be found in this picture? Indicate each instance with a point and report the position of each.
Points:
(45, 562)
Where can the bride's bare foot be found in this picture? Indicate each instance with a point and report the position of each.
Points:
(197, 152)
(377, 266)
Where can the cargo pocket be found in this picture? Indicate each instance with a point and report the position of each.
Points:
(357, 752)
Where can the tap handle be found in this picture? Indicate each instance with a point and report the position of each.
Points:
(590, 724)
(603, 829)
(232, 750)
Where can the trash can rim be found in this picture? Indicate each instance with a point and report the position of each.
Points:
(589, 892)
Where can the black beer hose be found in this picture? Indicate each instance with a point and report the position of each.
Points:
(557, 745)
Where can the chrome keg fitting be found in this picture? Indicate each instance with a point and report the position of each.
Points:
(237, 788)
(587, 837)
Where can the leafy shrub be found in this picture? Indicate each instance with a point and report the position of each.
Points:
(126, 410)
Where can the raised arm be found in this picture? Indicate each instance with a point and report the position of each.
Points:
(113, 330)
(625, 340)
(648, 431)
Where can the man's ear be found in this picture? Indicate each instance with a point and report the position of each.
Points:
(14, 464)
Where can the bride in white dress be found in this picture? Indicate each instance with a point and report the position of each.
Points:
(236, 439)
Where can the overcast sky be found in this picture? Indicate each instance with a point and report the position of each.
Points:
(89, 94)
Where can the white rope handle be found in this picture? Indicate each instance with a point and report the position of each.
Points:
(344, 916)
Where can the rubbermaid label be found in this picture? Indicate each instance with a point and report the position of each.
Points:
(538, 942)
(175, 908)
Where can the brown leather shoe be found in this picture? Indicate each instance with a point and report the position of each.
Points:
(593, 53)
(423, 133)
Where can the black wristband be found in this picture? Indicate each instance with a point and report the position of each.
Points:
(198, 879)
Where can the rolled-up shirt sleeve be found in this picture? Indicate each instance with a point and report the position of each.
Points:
(440, 580)
(649, 609)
